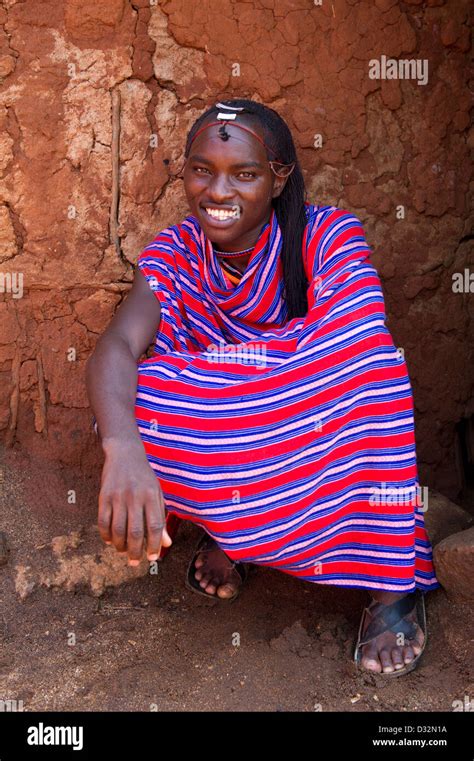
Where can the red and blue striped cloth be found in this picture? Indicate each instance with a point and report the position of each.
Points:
(290, 442)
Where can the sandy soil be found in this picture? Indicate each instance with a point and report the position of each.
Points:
(70, 640)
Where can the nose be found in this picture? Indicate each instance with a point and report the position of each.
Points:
(219, 188)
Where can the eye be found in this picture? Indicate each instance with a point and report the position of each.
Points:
(244, 174)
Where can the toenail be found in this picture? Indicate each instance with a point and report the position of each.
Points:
(372, 665)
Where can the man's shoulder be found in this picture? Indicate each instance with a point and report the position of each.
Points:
(320, 214)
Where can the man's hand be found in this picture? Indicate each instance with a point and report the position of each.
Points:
(131, 505)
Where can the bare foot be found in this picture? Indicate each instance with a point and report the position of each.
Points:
(390, 651)
(216, 572)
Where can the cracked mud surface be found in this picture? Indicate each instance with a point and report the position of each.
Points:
(97, 99)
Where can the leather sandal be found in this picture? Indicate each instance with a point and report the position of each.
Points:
(207, 544)
(391, 618)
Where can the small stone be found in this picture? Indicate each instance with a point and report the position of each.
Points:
(330, 650)
(7, 65)
(293, 638)
(444, 518)
(454, 565)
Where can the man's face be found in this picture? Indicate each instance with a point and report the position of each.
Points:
(229, 186)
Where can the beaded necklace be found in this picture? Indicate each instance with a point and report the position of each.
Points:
(231, 254)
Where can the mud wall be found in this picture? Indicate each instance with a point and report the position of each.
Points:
(96, 99)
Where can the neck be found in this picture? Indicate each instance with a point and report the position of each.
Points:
(241, 262)
(246, 241)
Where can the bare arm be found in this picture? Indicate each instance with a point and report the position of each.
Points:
(131, 505)
(111, 372)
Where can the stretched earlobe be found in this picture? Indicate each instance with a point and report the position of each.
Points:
(282, 170)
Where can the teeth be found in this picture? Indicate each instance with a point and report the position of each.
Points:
(221, 214)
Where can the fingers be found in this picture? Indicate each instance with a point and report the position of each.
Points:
(155, 524)
(131, 517)
(166, 539)
(119, 523)
(135, 531)
(105, 517)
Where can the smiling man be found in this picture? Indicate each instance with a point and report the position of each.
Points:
(230, 187)
(278, 463)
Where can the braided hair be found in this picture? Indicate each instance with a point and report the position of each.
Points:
(289, 205)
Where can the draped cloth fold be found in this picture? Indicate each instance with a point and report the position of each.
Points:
(291, 442)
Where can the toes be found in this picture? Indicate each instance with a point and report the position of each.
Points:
(417, 644)
(210, 584)
(202, 575)
(386, 661)
(397, 658)
(408, 654)
(205, 574)
(372, 664)
(204, 580)
(370, 660)
(226, 590)
(382, 654)
(200, 564)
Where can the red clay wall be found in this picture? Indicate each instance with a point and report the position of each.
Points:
(76, 207)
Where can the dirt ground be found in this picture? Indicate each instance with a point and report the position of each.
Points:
(70, 640)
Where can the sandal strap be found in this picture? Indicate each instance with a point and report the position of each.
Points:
(209, 545)
(391, 618)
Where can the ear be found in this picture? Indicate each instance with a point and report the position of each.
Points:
(278, 185)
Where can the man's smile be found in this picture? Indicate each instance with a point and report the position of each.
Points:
(221, 216)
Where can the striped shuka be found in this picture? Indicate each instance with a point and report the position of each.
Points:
(291, 442)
